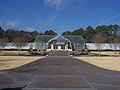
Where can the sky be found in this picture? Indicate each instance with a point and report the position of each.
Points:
(59, 15)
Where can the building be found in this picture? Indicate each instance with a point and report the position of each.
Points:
(62, 43)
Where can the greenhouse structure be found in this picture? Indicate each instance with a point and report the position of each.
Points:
(62, 43)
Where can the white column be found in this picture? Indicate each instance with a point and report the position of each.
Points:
(66, 47)
(52, 46)
(59, 47)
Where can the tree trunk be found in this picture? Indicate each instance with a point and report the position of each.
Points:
(18, 51)
(115, 52)
(2, 51)
(99, 53)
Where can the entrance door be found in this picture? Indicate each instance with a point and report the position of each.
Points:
(62, 46)
(55, 47)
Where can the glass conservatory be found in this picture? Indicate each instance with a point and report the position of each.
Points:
(63, 43)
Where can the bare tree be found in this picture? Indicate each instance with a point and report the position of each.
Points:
(114, 43)
(20, 42)
(98, 39)
(119, 43)
(3, 43)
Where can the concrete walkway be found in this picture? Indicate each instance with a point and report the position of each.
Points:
(65, 73)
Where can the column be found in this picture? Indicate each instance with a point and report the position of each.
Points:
(66, 47)
(59, 47)
(52, 46)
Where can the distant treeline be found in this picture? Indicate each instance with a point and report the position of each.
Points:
(12, 34)
(88, 33)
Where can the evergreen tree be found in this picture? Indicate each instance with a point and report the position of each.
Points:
(50, 32)
(89, 33)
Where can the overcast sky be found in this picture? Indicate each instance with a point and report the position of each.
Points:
(60, 15)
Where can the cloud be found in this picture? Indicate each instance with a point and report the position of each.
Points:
(76, 3)
(55, 3)
(60, 5)
(30, 29)
(65, 3)
(47, 22)
(12, 23)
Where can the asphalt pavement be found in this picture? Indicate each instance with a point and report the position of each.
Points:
(59, 73)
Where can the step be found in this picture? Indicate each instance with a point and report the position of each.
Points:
(59, 53)
(58, 89)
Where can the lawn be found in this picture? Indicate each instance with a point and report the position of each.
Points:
(109, 63)
(13, 52)
(10, 62)
(106, 52)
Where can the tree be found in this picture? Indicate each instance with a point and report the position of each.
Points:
(98, 39)
(119, 43)
(116, 27)
(3, 43)
(67, 33)
(20, 41)
(0, 28)
(114, 42)
(50, 32)
(33, 35)
(10, 34)
(1, 33)
(79, 31)
(89, 33)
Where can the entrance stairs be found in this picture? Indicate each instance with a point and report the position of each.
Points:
(59, 53)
